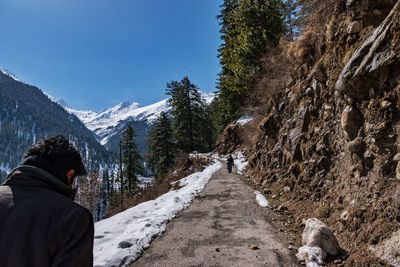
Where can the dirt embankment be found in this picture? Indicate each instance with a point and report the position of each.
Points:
(329, 146)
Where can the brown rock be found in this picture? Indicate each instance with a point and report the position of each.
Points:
(354, 27)
(357, 147)
(352, 120)
(385, 104)
(375, 61)
(254, 247)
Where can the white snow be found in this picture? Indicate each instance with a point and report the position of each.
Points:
(145, 181)
(240, 162)
(312, 256)
(318, 241)
(244, 119)
(120, 239)
(9, 73)
(5, 167)
(261, 200)
(106, 122)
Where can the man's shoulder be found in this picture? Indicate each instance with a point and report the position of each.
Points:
(67, 206)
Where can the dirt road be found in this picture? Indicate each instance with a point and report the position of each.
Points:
(224, 226)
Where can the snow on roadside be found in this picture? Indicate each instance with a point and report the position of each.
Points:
(145, 181)
(120, 239)
(240, 162)
(261, 200)
(244, 119)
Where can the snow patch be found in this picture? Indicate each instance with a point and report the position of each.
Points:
(318, 242)
(312, 256)
(120, 239)
(240, 162)
(244, 119)
(145, 181)
(261, 200)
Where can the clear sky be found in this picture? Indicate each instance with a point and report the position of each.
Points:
(97, 53)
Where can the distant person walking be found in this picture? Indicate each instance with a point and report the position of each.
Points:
(229, 163)
(40, 224)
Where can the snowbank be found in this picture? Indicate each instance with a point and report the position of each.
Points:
(244, 119)
(240, 161)
(261, 200)
(145, 181)
(120, 239)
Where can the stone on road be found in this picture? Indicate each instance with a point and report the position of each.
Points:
(224, 226)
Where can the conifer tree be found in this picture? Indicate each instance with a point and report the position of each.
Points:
(121, 172)
(291, 13)
(248, 28)
(191, 118)
(161, 146)
(131, 158)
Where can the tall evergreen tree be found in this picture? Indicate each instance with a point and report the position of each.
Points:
(191, 118)
(131, 158)
(161, 146)
(121, 172)
(291, 13)
(248, 27)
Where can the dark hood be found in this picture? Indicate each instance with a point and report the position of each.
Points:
(46, 165)
(26, 175)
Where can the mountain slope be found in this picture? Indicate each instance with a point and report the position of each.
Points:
(27, 115)
(110, 122)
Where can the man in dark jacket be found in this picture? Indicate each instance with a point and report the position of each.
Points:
(229, 163)
(40, 225)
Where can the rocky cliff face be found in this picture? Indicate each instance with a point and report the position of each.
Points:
(330, 147)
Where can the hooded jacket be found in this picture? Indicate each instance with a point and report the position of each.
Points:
(40, 225)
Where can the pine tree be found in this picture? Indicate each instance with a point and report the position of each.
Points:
(131, 158)
(190, 116)
(161, 146)
(121, 172)
(248, 28)
(291, 13)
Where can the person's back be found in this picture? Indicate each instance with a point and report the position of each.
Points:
(229, 163)
(40, 224)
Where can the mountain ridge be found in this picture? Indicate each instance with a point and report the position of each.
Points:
(108, 123)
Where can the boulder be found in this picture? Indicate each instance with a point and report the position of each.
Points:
(357, 8)
(351, 120)
(318, 242)
(354, 27)
(318, 234)
(389, 250)
(357, 147)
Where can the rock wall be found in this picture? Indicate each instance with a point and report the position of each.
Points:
(330, 146)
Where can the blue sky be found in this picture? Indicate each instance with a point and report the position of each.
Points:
(97, 53)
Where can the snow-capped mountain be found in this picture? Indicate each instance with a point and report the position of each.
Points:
(110, 122)
(83, 115)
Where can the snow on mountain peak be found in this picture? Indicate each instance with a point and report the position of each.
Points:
(62, 103)
(108, 122)
(9, 73)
